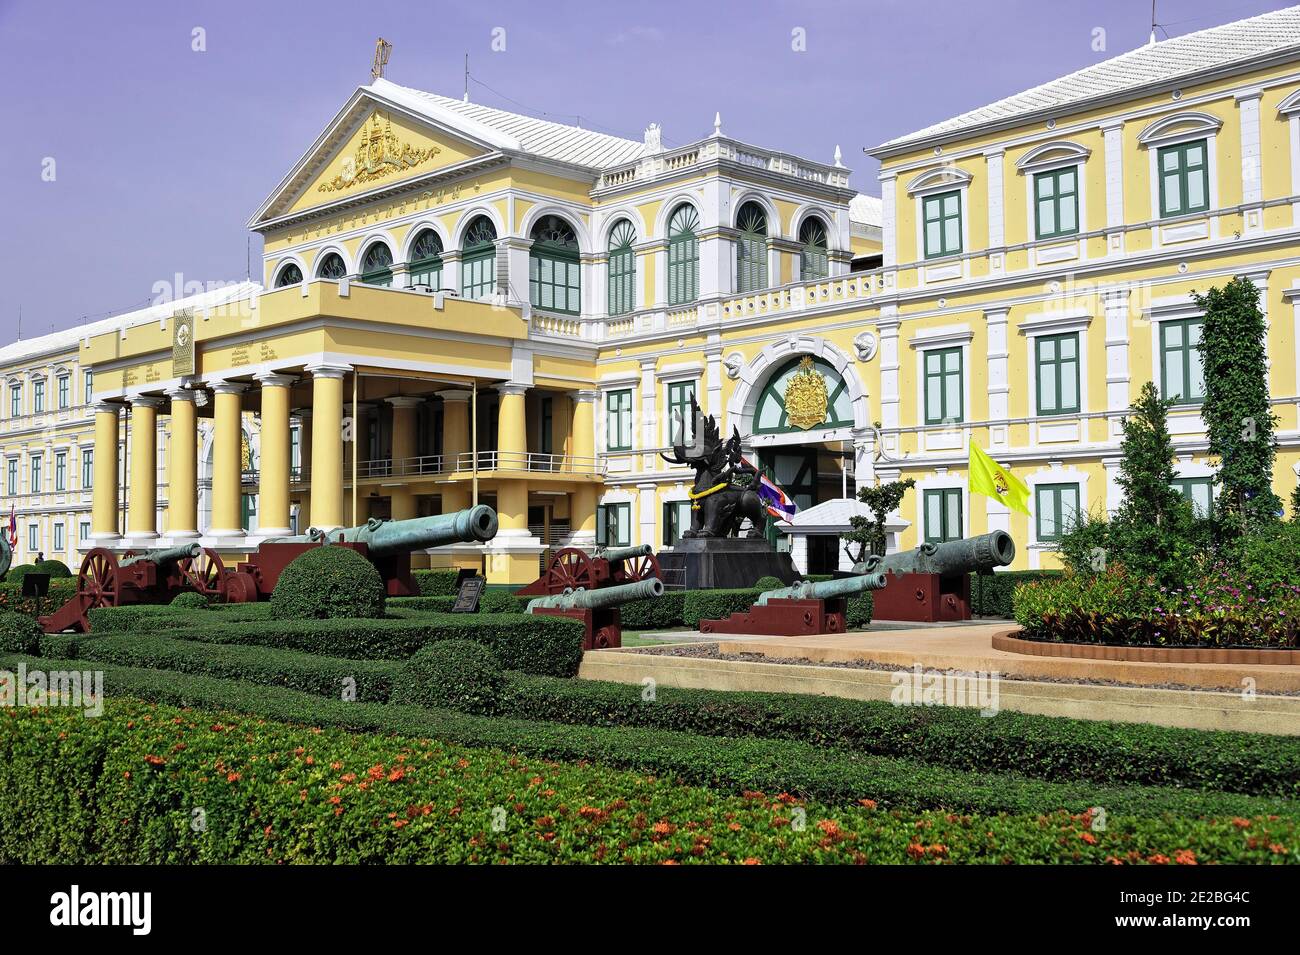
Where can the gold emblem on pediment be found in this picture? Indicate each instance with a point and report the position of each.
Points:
(183, 342)
(806, 399)
(380, 153)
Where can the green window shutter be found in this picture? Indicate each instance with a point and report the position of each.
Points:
(618, 421)
(814, 260)
(622, 269)
(681, 394)
(553, 267)
(426, 260)
(683, 256)
(944, 390)
(1199, 492)
(377, 265)
(478, 272)
(943, 517)
(751, 249)
(941, 225)
(1184, 172)
(1056, 507)
(1058, 373)
(1182, 376)
(1056, 203)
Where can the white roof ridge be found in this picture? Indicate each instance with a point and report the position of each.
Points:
(1164, 61)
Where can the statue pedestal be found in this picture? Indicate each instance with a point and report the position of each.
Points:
(700, 563)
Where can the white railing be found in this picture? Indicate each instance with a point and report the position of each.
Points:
(527, 461)
(715, 148)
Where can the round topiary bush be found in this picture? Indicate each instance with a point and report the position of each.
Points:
(18, 572)
(500, 601)
(455, 674)
(327, 582)
(768, 583)
(19, 633)
(191, 600)
(55, 568)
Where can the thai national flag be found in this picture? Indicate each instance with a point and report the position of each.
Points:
(777, 502)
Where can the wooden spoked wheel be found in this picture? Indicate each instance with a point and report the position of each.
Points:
(99, 581)
(205, 574)
(570, 569)
(641, 567)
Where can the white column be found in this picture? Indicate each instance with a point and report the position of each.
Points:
(715, 251)
(646, 500)
(993, 160)
(1252, 187)
(649, 407)
(1116, 303)
(512, 268)
(999, 382)
(1114, 134)
(889, 395)
(713, 378)
(1114, 493)
(888, 220)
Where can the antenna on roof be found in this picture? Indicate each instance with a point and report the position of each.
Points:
(467, 77)
(382, 49)
(1152, 41)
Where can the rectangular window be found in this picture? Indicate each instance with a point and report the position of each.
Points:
(87, 468)
(943, 515)
(65, 391)
(943, 385)
(15, 401)
(614, 525)
(1056, 202)
(1182, 377)
(83, 531)
(1058, 373)
(1056, 505)
(683, 270)
(89, 378)
(547, 426)
(61, 472)
(1184, 178)
(553, 283)
(942, 223)
(618, 420)
(1199, 491)
(36, 474)
(478, 276)
(295, 452)
(677, 518)
(59, 542)
(11, 477)
(622, 281)
(33, 540)
(681, 395)
(38, 396)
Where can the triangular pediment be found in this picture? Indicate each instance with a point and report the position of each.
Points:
(376, 142)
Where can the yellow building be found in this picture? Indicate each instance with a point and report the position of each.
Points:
(460, 303)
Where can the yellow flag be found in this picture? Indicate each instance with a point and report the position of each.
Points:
(988, 477)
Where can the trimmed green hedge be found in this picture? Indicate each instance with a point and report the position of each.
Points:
(11, 596)
(365, 680)
(57, 569)
(436, 583)
(459, 674)
(19, 633)
(544, 645)
(686, 608)
(991, 594)
(718, 604)
(735, 764)
(436, 604)
(661, 613)
(328, 583)
(125, 789)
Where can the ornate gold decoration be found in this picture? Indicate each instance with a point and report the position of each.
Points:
(245, 453)
(379, 154)
(183, 343)
(805, 397)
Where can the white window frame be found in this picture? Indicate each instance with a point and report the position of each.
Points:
(1051, 157)
(933, 339)
(1056, 428)
(1161, 133)
(940, 179)
(1051, 475)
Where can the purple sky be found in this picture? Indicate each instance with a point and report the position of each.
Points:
(162, 153)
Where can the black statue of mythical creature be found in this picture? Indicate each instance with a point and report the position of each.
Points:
(725, 489)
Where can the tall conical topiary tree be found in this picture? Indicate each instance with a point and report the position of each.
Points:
(1238, 416)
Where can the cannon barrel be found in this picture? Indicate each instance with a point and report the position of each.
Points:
(600, 597)
(474, 525)
(823, 589)
(164, 555)
(612, 554)
(969, 555)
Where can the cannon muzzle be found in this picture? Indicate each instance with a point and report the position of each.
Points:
(474, 525)
(600, 597)
(164, 555)
(612, 554)
(823, 589)
(970, 555)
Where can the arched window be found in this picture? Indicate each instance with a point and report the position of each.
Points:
(478, 260)
(622, 268)
(814, 263)
(683, 256)
(288, 275)
(377, 265)
(554, 281)
(771, 416)
(426, 260)
(751, 248)
(332, 267)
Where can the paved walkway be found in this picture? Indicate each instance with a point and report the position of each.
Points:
(969, 647)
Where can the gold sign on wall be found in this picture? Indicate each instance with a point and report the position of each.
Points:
(183, 343)
(805, 397)
(379, 154)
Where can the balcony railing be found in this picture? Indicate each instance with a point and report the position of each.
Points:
(432, 464)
